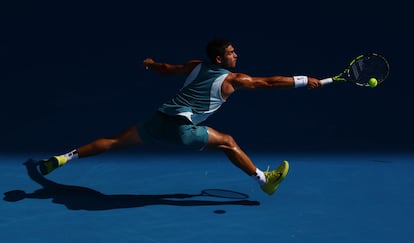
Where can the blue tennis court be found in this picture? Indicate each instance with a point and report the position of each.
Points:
(135, 197)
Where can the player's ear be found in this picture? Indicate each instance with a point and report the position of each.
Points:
(219, 60)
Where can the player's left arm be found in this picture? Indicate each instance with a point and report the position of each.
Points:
(170, 69)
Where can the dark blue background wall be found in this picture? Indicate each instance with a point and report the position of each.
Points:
(71, 72)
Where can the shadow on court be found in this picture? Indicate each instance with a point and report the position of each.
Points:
(83, 198)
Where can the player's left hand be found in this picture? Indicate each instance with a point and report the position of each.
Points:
(148, 62)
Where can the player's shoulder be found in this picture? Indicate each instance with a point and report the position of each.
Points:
(238, 80)
(238, 76)
(190, 65)
(193, 62)
(233, 77)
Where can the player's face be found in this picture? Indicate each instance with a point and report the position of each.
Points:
(229, 60)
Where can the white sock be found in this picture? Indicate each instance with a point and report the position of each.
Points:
(259, 177)
(71, 155)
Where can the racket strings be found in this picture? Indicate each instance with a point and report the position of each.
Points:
(372, 66)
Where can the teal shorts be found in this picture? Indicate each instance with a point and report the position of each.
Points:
(162, 128)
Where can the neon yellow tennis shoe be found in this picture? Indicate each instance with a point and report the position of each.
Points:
(47, 166)
(275, 177)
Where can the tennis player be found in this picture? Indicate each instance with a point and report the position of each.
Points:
(207, 86)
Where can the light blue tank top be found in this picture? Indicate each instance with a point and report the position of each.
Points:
(200, 95)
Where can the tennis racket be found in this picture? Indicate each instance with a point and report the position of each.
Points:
(361, 69)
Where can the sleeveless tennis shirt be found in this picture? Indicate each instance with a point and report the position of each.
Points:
(200, 95)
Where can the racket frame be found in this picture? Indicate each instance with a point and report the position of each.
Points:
(344, 76)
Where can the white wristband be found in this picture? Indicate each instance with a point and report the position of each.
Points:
(300, 81)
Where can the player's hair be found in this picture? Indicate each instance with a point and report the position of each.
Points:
(216, 47)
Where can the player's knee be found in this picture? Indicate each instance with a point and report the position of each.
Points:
(113, 142)
(229, 142)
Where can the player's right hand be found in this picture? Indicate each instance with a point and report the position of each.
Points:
(314, 83)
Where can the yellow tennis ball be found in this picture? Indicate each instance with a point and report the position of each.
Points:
(373, 82)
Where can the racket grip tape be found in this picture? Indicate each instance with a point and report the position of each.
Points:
(326, 81)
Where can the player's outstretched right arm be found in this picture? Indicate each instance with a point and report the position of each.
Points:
(235, 81)
(170, 69)
(241, 80)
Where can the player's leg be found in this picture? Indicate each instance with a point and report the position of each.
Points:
(269, 180)
(126, 138)
(226, 143)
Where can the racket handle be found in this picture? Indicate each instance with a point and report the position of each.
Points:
(326, 81)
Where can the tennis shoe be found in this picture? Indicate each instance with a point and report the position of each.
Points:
(275, 177)
(47, 166)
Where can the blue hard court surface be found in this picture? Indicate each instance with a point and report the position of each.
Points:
(134, 197)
